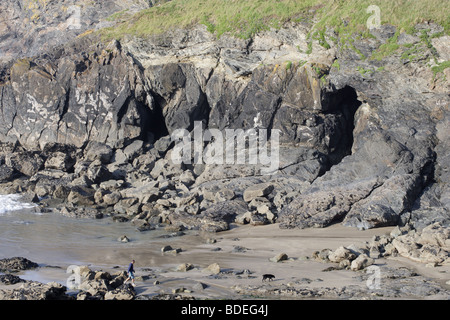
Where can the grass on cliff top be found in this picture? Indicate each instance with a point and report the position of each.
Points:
(241, 18)
(244, 18)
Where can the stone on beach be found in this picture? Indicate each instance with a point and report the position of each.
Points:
(340, 254)
(361, 262)
(212, 269)
(184, 267)
(279, 257)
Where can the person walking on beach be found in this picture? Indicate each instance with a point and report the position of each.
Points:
(131, 274)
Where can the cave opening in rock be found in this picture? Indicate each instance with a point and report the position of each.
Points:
(342, 103)
(156, 124)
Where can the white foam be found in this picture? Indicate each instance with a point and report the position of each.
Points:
(13, 202)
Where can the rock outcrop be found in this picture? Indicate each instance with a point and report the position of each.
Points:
(430, 246)
(16, 264)
(32, 290)
(362, 141)
(88, 284)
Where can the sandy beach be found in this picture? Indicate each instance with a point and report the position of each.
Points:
(243, 254)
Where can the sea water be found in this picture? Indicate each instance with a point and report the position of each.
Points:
(51, 239)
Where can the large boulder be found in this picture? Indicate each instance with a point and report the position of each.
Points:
(27, 163)
(123, 293)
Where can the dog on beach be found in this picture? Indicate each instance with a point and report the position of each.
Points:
(268, 277)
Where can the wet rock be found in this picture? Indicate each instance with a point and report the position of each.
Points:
(200, 286)
(170, 250)
(358, 148)
(6, 173)
(123, 293)
(10, 279)
(95, 287)
(81, 196)
(123, 239)
(16, 264)
(142, 225)
(81, 212)
(31, 290)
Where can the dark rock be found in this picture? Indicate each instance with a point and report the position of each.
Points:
(98, 151)
(81, 196)
(7, 173)
(163, 144)
(59, 161)
(125, 292)
(257, 191)
(366, 148)
(16, 264)
(36, 291)
(26, 163)
(215, 218)
(10, 279)
(81, 212)
(61, 22)
(188, 105)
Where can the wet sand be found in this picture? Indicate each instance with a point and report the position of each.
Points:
(237, 250)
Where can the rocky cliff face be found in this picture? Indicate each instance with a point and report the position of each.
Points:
(362, 141)
(32, 27)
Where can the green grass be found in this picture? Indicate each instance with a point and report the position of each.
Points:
(440, 67)
(288, 65)
(301, 63)
(387, 48)
(118, 15)
(336, 64)
(363, 71)
(412, 52)
(244, 18)
(350, 16)
(240, 18)
(427, 40)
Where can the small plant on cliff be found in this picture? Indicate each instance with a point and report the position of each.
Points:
(363, 71)
(440, 68)
(288, 65)
(336, 64)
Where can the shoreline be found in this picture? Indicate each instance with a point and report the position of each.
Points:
(244, 256)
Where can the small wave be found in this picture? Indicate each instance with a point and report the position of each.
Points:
(23, 222)
(13, 202)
